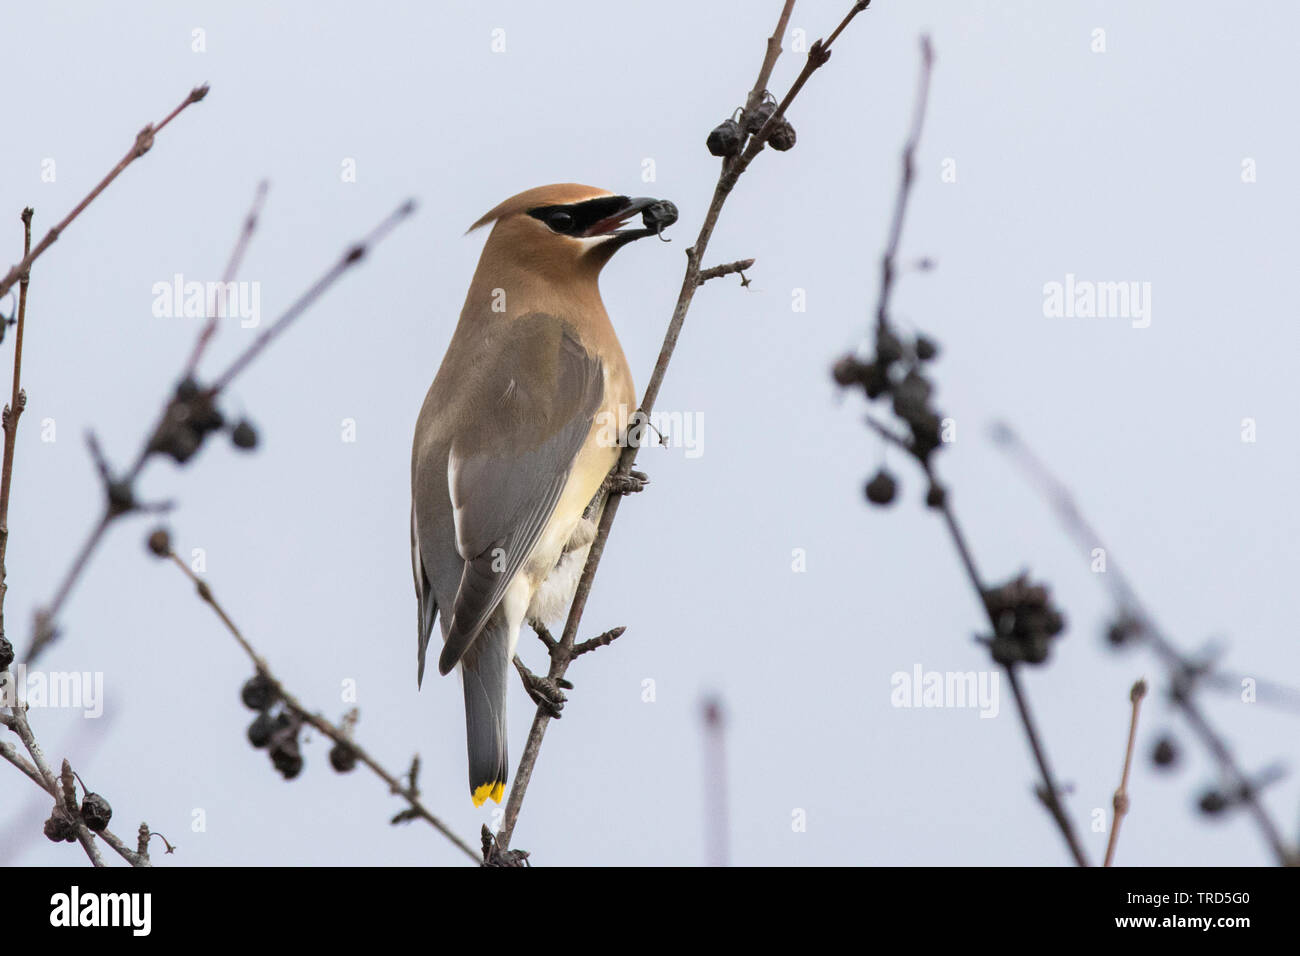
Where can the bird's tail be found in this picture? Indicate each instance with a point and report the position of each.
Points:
(484, 670)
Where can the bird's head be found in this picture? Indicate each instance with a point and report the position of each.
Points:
(567, 227)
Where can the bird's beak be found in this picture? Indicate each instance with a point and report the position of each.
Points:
(657, 215)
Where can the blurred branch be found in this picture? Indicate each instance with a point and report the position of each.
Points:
(732, 168)
(341, 736)
(1134, 622)
(1020, 613)
(190, 415)
(143, 142)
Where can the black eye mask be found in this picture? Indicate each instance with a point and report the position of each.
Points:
(576, 218)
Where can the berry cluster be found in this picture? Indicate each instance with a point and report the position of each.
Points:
(190, 417)
(1025, 620)
(276, 728)
(897, 371)
(727, 139)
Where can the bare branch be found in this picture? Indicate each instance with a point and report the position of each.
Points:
(732, 169)
(342, 736)
(1121, 801)
(143, 141)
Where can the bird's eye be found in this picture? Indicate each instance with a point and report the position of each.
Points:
(560, 221)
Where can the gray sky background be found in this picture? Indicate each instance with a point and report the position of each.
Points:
(1122, 165)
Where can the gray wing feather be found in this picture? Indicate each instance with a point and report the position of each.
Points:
(504, 489)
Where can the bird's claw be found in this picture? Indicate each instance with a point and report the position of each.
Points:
(546, 692)
(629, 484)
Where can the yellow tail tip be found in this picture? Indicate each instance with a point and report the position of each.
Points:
(496, 790)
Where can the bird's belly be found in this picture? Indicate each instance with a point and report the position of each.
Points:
(557, 559)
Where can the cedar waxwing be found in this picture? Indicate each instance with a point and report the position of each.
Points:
(511, 450)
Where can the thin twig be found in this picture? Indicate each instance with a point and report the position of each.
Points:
(716, 272)
(732, 169)
(1049, 790)
(143, 141)
(888, 260)
(407, 791)
(12, 412)
(1121, 801)
(45, 631)
(228, 276)
(1184, 671)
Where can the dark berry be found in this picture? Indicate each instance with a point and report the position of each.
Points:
(160, 543)
(1165, 753)
(936, 496)
(725, 139)
(95, 812)
(244, 435)
(1212, 803)
(782, 136)
(258, 692)
(261, 729)
(343, 757)
(882, 488)
(754, 120)
(6, 654)
(60, 827)
(925, 348)
(888, 348)
(287, 757)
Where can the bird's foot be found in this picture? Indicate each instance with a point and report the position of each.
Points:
(546, 692)
(628, 484)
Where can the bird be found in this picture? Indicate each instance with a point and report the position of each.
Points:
(514, 443)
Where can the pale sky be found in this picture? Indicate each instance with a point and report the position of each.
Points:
(1162, 159)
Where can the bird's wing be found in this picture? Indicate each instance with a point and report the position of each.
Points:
(506, 473)
(428, 603)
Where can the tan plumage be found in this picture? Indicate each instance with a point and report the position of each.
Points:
(511, 447)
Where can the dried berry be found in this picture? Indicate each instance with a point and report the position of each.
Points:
(6, 654)
(882, 488)
(258, 692)
(1213, 803)
(755, 119)
(725, 139)
(888, 348)
(847, 371)
(244, 435)
(782, 136)
(60, 827)
(287, 757)
(925, 348)
(95, 812)
(160, 543)
(936, 496)
(660, 215)
(343, 757)
(262, 727)
(1165, 753)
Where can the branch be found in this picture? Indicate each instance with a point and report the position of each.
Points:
(38, 771)
(143, 141)
(1120, 801)
(190, 415)
(341, 736)
(732, 168)
(740, 265)
(12, 412)
(1022, 619)
(1185, 672)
